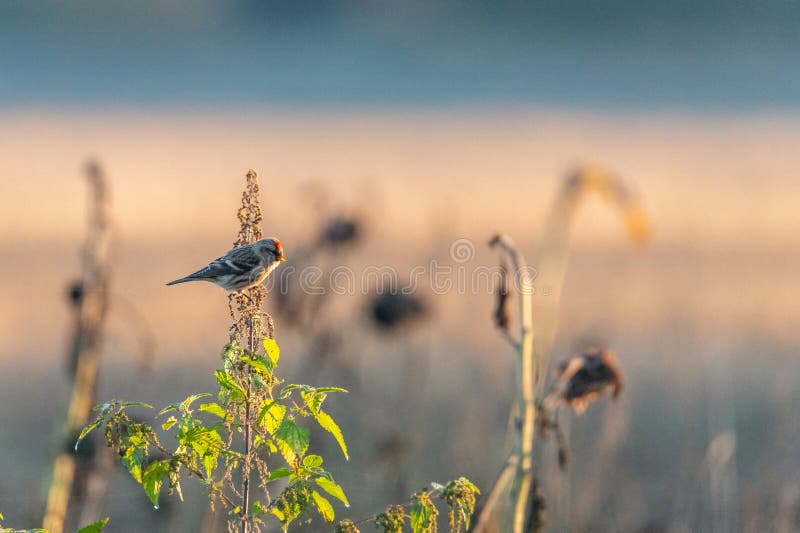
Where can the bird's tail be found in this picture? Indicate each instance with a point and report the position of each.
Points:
(182, 280)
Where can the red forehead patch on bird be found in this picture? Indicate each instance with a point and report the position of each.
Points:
(278, 245)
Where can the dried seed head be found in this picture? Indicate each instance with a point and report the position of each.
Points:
(340, 230)
(390, 310)
(585, 377)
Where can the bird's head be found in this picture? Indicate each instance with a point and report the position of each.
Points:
(272, 246)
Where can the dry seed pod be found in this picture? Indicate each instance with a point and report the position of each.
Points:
(583, 378)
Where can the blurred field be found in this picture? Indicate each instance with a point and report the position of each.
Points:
(704, 320)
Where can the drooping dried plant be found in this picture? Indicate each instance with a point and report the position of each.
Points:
(515, 503)
(89, 298)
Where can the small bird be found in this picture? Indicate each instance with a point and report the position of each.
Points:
(242, 267)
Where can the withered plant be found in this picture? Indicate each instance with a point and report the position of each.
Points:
(515, 503)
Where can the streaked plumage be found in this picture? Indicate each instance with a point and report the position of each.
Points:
(242, 267)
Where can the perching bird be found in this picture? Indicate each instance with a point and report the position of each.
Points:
(242, 267)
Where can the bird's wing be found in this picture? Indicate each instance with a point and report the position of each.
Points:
(237, 261)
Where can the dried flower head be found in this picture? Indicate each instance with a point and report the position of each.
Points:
(340, 230)
(392, 519)
(585, 377)
(246, 306)
(390, 310)
(346, 526)
(593, 177)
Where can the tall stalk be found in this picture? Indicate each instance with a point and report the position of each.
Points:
(91, 304)
(526, 408)
(247, 313)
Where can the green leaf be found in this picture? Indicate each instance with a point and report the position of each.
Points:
(96, 527)
(313, 400)
(279, 473)
(207, 443)
(171, 421)
(154, 478)
(273, 350)
(271, 414)
(257, 508)
(123, 405)
(227, 382)
(323, 506)
(135, 453)
(214, 408)
(293, 435)
(191, 399)
(333, 489)
(88, 429)
(329, 425)
(331, 389)
(421, 517)
(258, 364)
(312, 461)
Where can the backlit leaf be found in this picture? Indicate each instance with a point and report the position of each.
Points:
(96, 527)
(329, 425)
(273, 350)
(333, 489)
(293, 435)
(227, 383)
(323, 506)
(271, 415)
(214, 408)
(279, 473)
(154, 478)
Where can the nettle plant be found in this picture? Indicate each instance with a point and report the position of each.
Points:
(251, 438)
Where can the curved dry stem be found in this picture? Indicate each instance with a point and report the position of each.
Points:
(525, 404)
(554, 249)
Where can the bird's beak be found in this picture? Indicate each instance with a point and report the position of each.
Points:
(281, 257)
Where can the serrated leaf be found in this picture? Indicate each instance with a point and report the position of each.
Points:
(88, 429)
(227, 382)
(170, 407)
(191, 399)
(134, 456)
(421, 517)
(124, 405)
(258, 364)
(153, 479)
(96, 527)
(214, 408)
(279, 473)
(272, 415)
(293, 435)
(333, 489)
(313, 400)
(328, 424)
(171, 421)
(323, 506)
(312, 461)
(207, 443)
(273, 350)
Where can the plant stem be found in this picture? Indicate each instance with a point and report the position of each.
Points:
(85, 349)
(245, 526)
(526, 409)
